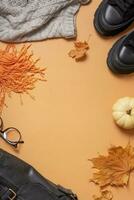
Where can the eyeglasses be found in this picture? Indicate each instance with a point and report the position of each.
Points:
(10, 135)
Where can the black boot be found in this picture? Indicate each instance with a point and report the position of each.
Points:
(121, 56)
(113, 16)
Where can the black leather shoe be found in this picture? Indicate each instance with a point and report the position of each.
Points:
(113, 16)
(121, 56)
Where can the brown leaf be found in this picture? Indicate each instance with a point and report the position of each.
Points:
(115, 168)
(81, 45)
(72, 53)
(80, 50)
(105, 195)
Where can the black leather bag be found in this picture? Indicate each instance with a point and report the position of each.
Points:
(20, 181)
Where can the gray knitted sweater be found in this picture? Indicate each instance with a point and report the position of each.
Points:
(32, 20)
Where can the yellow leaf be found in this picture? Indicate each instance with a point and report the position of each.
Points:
(115, 168)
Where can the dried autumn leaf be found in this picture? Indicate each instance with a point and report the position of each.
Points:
(115, 168)
(105, 195)
(81, 45)
(80, 50)
(72, 53)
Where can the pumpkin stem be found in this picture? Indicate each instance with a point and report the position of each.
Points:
(129, 112)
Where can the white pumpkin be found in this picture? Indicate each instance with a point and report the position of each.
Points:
(123, 112)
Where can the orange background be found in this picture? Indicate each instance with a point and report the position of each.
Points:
(71, 120)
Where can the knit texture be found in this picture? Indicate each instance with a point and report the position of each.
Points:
(32, 20)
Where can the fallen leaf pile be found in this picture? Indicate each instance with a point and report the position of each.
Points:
(18, 72)
(80, 50)
(105, 195)
(114, 169)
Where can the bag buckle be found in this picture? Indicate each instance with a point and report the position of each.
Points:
(12, 194)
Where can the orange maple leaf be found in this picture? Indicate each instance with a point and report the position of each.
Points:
(114, 169)
(80, 50)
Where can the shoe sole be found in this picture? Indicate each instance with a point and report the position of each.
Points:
(114, 66)
(99, 28)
